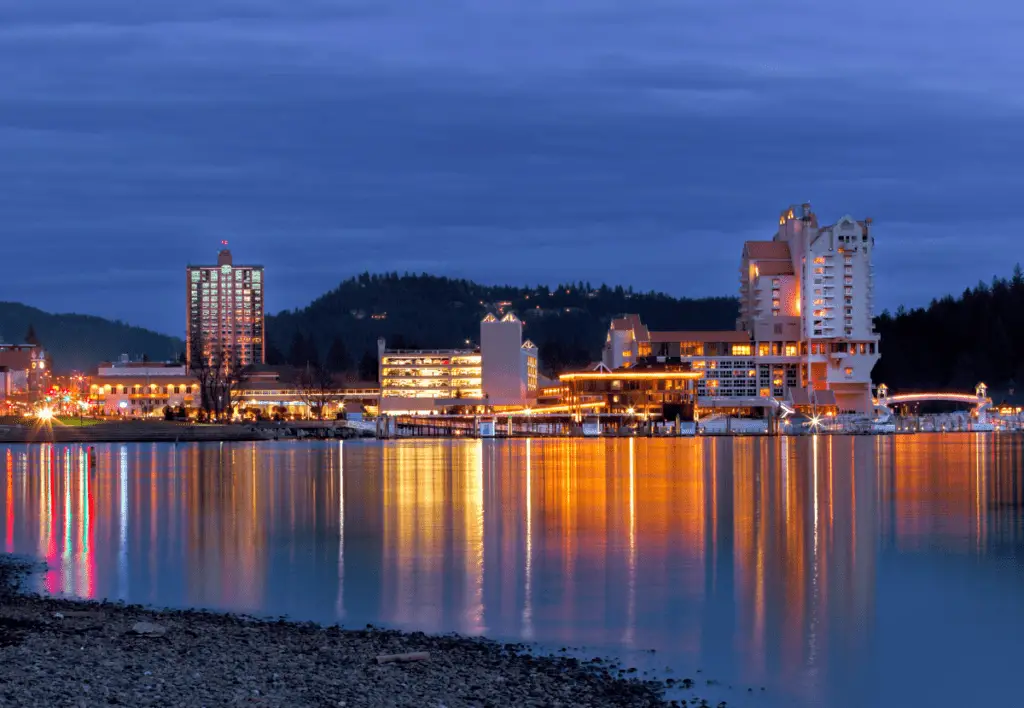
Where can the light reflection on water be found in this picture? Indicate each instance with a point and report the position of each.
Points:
(830, 570)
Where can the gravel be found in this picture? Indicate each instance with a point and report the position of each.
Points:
(56, 652)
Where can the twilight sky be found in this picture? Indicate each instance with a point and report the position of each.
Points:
(633, 141)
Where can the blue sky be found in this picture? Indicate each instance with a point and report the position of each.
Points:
(637, 142)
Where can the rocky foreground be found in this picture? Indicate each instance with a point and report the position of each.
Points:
(69, 653)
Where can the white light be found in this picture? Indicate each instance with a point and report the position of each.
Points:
(45, 414)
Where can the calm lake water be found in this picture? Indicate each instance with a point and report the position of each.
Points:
(831, 571)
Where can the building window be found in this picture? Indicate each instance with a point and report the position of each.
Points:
(848, 371)
(741, 350)
(791, 350)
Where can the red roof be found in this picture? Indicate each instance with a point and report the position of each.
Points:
(630, 322)
(774, 268)
(767, 250)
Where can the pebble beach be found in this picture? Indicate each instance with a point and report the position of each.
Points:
(58, 652)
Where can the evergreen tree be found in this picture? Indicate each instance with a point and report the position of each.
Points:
(368, 367)
(30, 336)
(303, 352)
(273, 355)
(338, 359)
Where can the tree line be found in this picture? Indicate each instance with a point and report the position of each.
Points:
(567, 322)
(955, 343)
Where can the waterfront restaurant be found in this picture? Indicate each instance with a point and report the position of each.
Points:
(655, 391)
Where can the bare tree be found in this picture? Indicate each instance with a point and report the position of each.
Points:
(201, 367)
(318, 388)
(220, 372)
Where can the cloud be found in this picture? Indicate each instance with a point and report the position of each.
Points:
(504, 141)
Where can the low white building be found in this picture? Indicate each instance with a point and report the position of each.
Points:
(142, 389)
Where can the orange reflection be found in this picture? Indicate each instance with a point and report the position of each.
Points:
(765, 548)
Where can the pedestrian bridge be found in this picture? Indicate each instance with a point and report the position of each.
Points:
(979, 399)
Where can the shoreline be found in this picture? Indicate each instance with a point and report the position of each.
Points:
(59, 651)
(157, 431)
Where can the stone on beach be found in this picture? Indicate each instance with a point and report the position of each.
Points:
(149, 629)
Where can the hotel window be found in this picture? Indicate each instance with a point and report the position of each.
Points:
(763, 349)
(741, 350)
(819, 259)
(791, 350)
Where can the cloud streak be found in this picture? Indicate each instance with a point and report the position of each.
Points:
(505, 141)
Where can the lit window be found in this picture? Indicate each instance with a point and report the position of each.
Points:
(791, 350)
(741, 350)
(848, 371)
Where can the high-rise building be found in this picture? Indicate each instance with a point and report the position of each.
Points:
(804, 332)
(225, 311)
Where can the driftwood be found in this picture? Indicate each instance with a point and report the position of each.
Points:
(392, 658)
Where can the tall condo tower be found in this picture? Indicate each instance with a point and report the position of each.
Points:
(224, 305)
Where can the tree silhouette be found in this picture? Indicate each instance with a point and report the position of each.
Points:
(368, 368)
(338, 359)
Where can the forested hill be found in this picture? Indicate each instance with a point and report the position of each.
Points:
(80, 342)
(954, 343)
(567, 323)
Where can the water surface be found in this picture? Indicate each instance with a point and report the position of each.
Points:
(831, 571)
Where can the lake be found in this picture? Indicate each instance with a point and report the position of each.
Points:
(831, 571)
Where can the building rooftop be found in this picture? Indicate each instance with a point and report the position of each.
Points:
(775, 267)
(767, 250)
(725, 335)
(641, 372)
(631, 322)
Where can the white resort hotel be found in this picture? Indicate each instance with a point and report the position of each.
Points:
(804, 335)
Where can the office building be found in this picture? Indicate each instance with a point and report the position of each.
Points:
(804, 333)
(225, 311)
(501, 372)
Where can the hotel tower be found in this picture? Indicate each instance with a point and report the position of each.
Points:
(225, 311)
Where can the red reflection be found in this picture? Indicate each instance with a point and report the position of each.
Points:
(9, 507)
